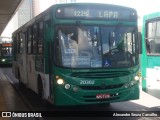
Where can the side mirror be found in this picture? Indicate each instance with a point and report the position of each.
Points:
(140, 42)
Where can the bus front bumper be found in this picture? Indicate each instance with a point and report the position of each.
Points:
(65, 97)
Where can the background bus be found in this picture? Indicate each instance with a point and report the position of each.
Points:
(151, 53)
(77, 54)
(5, 51)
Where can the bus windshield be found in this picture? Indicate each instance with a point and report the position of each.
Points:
(96, 46)
(6, 50)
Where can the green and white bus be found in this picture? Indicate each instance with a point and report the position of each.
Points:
(5, 51)
(79, 53)
(151, 52)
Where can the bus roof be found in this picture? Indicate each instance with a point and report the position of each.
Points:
(38, 17)
(152, 16)
(102, 4)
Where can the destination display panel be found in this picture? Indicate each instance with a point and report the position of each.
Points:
(95, 12)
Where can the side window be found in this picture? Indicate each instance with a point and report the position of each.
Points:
(18, 43)
(29, 42)
(14, 46)
(15, 43)
(134, 43)
(34, 44)
(153, 37)
(21, 43)
(128, 42)
(40, 38)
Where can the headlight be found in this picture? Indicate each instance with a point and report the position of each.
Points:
(75, 89)
(136, 78)
(67, 86)
(126, 85)
(3, 60)
(60, 81)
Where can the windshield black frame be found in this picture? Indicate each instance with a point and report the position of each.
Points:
(89, 41)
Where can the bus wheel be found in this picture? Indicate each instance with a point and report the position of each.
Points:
(41, 92)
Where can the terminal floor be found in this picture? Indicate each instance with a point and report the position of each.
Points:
(9, 99)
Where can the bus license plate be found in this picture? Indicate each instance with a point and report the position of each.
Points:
(102, 96)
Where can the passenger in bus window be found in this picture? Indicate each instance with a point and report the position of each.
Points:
(148, 46)
(70, 38)
(152, 46)
(6, 53)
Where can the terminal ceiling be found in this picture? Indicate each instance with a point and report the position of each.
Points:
(7, 10)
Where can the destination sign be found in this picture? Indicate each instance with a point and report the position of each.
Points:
(95, 12)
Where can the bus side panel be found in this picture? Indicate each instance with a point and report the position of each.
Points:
(20, 57)
(143, 59)
(150, 64)
(32, 78)
(22, 68)
(15, 69)
(152, 74)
